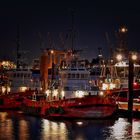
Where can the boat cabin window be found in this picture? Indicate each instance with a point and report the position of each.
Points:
(29, 75)
(73, 69)
(25, 75)
(17, 75)
(69, 75)
(21, 75)
(64, 75)
(14, 75)
(81, 69)
(73, 76)
(77, 75)
(82, 76)
(66, 88)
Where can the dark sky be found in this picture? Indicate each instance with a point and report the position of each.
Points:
(92, 20)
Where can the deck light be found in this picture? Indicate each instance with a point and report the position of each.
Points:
(119, 57)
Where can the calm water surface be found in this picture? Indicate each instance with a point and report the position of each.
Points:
(16, 126)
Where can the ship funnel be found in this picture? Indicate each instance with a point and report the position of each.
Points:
(44, 63)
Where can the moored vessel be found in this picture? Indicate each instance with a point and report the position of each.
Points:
(67, 92)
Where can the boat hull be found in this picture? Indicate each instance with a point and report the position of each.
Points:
(88, 107)
(124, 105)
(13, 100)
(9, 103)
(95, 112)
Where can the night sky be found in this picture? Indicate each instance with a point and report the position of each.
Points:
(92, 20)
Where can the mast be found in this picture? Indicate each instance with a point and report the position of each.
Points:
(18, 46)
(72, 30)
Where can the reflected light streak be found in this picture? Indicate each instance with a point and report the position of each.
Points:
(6, 127)
(54, 130)
(23, 130)
(3, 116)
(136, 129)
(121, 129)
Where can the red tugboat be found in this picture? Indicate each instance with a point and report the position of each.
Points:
(67, 92)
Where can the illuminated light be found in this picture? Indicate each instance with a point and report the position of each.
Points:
(111, 60)
(80, 93)
(79, 123)
(8, 89)
(104, 86)
(121, 64)
(135, 83)
(119, 57)
(23, 129)
(55, 92)
(134, 57)
(90, 82)
(52, 51)
(101, 93)
(100, 55)
(3, 89)
(123, 29)
(8, 64)
(47, 92)
(3, 116)
(101, 81)
(62, 93)
(136, 129)
(120, 128)
(22, 89)
(112, 86)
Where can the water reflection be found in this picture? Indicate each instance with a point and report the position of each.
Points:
(23, 130)
(121, 129)
(6, 126)
(136, 129)
(53, 130)
(14, 125)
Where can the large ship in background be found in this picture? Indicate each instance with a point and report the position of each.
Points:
(16, 84)
(18, 79)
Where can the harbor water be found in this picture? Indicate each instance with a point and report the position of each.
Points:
(16, 126)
